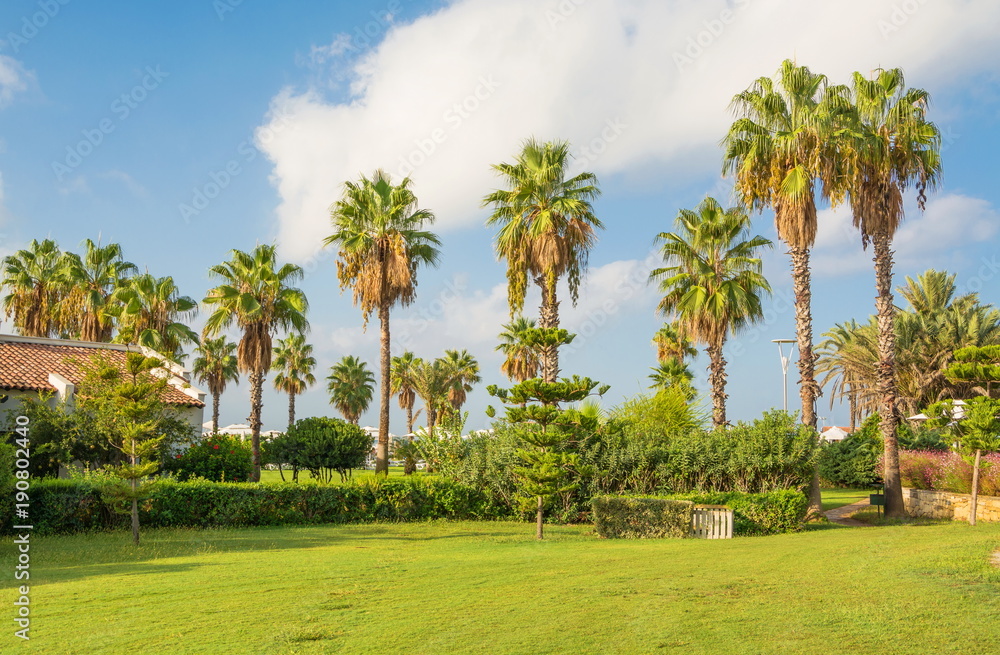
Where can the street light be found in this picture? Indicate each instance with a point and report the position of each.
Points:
(784, 366)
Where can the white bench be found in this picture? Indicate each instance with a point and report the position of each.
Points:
(712, 522)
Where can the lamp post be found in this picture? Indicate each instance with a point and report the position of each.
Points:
(784, 367)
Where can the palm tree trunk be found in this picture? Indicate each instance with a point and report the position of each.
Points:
(717, 380)
(409, 420)
(886, 374)
(291, 410)
(431, 420)
(974, 501)
(256, 402)
(382, 451)
(215, 412)
(548, 317)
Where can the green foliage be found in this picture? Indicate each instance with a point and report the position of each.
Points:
(7, 459)
(323, 445)
(855, 460)
(217, 457)
(641, 518)
(443, 448)
(668, 411)
(58, 437)
(66, 506)
(773, 512)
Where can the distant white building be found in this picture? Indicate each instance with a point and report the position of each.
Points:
(834, 433)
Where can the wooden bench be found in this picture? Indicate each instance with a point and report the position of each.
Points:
(712, 522)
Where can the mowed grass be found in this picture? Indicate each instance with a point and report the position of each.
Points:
(447, 587)
(834, 498)
(356, 474)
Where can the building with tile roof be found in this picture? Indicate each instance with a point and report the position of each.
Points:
(33, 365)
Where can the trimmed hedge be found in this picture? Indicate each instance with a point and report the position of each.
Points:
(622, 517)
(772, 512)
(67, 506)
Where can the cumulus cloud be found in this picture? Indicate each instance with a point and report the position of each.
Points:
(635, 85)
(934, 238)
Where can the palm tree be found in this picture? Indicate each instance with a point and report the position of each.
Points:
(432, 381)
(381, 241)
(256, 295)
(293, 365)
(216, 366)
(670, 372)
(34, 278)
(778, 147)
(521, 361)
(92, 279)
(465, 373)
(150, 311)
(546, 230)
(712, 283)
(670, 345)
(351, 387)
(402, 384)
(891, 146)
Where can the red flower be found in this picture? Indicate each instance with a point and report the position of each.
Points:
(232, 452)
(178, 457)
(216, 446)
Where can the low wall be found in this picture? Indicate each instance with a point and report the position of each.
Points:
(948, 505)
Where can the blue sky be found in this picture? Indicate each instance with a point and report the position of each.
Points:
(183, 130)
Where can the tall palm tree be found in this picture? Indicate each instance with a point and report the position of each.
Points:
(402, 384)
(381, 241)
(215, 365)
(521, 360)
(432, 381)
(293, 366)
(546, 228)
(778, 148)
(465, 373)
(150, 312)
(256, 294)
(351, 387)
(92, 279)
(712, 283)
(892, 146)
(34, 278)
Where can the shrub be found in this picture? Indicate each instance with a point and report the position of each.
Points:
(773, 512)
(854, 461)
(624, 517)
(66, 506)
(948, 471)
(323, 445)
(217, 457)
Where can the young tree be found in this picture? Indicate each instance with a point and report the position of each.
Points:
(545, 429)
(381, 241)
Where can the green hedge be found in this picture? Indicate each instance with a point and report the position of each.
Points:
(66, 506)
(623, 517)
(772, 512)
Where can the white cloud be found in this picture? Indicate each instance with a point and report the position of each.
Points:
(935, 237)
(13, 79)
(644, 82)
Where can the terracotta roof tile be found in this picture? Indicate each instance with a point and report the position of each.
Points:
(26, 366)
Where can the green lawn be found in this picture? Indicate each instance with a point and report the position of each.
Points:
(491, 588)
(834, 498)
(356, 474)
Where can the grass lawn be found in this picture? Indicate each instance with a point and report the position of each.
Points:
(834, 498)
(356, 474)
(491, 588)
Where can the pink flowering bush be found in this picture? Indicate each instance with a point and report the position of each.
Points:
(948, 471)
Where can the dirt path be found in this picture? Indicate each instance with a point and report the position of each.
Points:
(842, 515)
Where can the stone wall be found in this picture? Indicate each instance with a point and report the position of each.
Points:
(947, 505)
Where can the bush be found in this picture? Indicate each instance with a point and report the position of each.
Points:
(773, 512)
(218, 457)
(322, 445)
(854, 461)
(622, 517)
(948, 471)
(66, 506)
